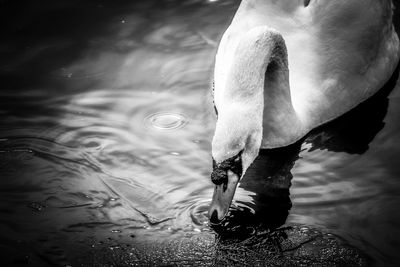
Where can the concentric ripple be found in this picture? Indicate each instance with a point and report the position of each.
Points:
(198, 213)
(193, 216)
(165, 121)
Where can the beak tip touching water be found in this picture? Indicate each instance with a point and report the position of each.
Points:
(214, 217)
(222, 198)
(216, 214)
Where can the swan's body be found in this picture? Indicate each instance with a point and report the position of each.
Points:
(285, 67)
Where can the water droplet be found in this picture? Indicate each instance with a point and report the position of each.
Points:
(175, 153)
(166, 121)
(65, 73)
(304, 229)
(116, 231)
(36, 206)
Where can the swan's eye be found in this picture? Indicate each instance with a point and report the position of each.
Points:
(236, 164)
(216, 111)
(215, 108)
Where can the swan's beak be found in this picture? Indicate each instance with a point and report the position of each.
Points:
(222, 197)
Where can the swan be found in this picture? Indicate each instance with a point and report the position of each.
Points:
(284, 67)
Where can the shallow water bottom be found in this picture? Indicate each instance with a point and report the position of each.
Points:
(292, 246)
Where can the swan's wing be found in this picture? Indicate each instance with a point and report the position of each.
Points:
(340, 52)
(356, 51)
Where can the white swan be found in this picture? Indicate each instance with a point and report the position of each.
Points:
(284, 67)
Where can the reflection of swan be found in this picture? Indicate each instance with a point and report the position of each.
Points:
(353, 131)
(268, 180)
(338, 54)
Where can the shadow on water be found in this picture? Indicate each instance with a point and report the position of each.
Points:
(353, 131)
(269, 177)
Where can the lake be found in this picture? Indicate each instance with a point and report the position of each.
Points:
(105, 150)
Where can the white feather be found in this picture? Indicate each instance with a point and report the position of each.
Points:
(339, 53)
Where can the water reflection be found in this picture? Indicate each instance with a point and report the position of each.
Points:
(263, 199)
(267, 183)
(354, 131)
(105, 124)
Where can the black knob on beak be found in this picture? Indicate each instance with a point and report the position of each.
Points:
(219, 176)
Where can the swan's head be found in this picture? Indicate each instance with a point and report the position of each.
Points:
(235, 145)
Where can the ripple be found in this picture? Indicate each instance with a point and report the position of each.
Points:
(165, 121)
(192, 216)
(198, 213)
(70, 73)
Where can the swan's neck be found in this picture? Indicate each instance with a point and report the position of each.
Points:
(253, 96)
(242, 61)
(259, 62)
(259, 78)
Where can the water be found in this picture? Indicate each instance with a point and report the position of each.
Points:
(106, 123)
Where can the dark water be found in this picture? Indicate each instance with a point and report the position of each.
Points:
(106, 123)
